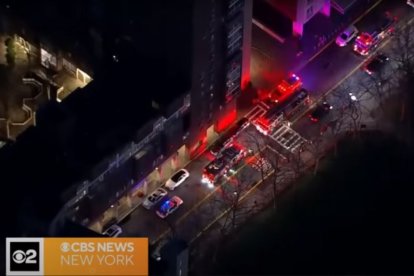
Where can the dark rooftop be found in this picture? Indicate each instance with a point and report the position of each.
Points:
(96, 30)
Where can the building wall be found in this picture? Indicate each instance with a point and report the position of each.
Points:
(288, 8)
(219, 41)
(247, 42)
(306, 9)
(221, 64)
(207, 91)
(147, 159)
(301, 11)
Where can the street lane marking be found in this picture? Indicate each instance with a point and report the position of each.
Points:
(276, 152)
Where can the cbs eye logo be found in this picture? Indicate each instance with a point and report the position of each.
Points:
(28, 257)
(23, 255)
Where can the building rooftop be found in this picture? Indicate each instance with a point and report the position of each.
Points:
(96, 30)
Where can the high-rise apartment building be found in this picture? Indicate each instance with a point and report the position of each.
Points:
(173, 74)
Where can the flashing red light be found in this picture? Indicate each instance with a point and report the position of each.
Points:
(224, 122)
(287, 86)
(313, 119)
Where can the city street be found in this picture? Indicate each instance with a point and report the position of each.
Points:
(203, 206)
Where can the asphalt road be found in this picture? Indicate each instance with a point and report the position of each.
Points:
(203, 204)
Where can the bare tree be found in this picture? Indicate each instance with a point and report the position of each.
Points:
(335, 130)
(235, 210)
(403, 55)
(257, 144)
(296, 164)
(350, 107)
(273, 163)
(268, 162)
(232, 192)
(378, 87)
(317, 149)
(402, 50)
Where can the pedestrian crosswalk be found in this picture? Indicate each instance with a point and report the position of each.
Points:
(286, 137)
(258, 110)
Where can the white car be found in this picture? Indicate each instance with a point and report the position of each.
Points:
(346, 36)
(154, 198)
(176, 180)
(113, 231)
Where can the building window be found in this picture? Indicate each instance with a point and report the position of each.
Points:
(309, 12)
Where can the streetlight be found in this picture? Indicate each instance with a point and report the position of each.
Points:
(353, 97)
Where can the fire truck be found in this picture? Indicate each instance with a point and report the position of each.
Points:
(282, 90)
(367, 41)
(282, 111)
(289, 85)
(222, 164)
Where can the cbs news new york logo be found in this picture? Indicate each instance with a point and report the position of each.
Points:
(76, 256)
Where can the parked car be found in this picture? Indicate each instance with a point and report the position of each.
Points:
(169, 206)
(154, 198)
(320, 111)
(375, 64)
(113, 231)
(346, 36)
(177, 179)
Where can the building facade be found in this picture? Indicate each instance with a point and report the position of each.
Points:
(173, 130)
(301, 11)
(220, 68)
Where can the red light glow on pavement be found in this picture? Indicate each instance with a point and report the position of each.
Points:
(224, 122)
(263, 94)
(200, 146)
(245, 81)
